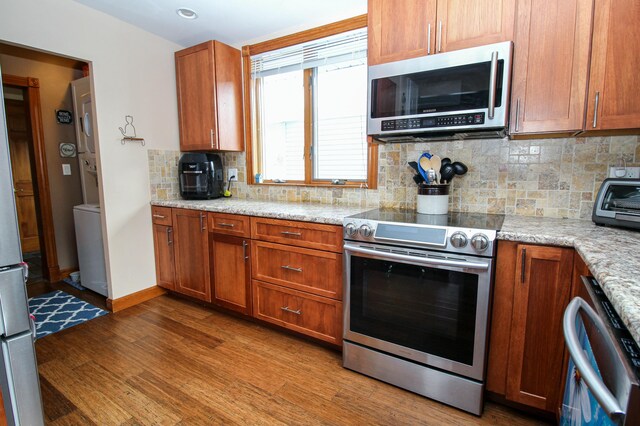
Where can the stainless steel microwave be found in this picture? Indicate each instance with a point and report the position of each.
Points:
(459, 94)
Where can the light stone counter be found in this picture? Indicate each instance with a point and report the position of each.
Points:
(610, 253)
(307, 212)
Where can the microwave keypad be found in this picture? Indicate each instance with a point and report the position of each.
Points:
(427, 122)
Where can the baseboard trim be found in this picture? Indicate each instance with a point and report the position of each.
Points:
(115, 305)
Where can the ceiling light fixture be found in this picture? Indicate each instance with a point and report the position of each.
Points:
(186, 13)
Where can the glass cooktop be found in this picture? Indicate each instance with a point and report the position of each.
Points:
(454, 219)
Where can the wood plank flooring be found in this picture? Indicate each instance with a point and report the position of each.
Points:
(172, 362)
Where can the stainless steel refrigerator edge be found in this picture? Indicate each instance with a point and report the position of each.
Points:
(18, 370)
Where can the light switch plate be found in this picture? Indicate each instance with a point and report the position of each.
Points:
(66, 169)
(232, 172)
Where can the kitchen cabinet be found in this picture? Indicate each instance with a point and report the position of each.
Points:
(297, 276)
(209, 84)
(413, 28)
(163, 247)
(191, 251)
(230, 251)
(614, 78)
(550, 67)
(526, 347)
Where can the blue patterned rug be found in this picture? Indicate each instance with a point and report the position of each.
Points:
(58, 310)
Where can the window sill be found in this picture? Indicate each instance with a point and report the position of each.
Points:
(362, 185)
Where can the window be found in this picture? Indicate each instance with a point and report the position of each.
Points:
(308, 109)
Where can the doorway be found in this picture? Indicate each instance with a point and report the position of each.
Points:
(30, 176)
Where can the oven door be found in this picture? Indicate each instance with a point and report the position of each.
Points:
(425, 306)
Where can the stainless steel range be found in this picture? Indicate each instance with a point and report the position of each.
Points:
(417, 294)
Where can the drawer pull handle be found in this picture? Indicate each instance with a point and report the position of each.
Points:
(287, 309)
(159, 216)
(294, 234)
(291, 268)
(227, 225)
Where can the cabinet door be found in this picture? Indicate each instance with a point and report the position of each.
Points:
(231, 272)
(195, 79)
(614, 80)
(191, 250)
(463, 23)
(228, 98)
(400, 29)
(541, 293)
(165, 260)
(550, 66)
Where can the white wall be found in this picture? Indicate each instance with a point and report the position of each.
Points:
(133, 74)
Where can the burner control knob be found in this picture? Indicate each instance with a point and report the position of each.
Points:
(480, 242)
(350, 229)
(366, 231)
(458, 239)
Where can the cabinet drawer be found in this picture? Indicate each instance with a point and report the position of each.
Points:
(314, 316)
(230, 224)
(302, 234)
(313, 271)
(161, 215)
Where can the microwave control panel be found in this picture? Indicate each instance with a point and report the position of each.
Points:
(429, 122)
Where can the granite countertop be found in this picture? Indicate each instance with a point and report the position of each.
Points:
(608, 252)
(307, 212)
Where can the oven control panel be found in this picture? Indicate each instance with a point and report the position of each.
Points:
(446, 238)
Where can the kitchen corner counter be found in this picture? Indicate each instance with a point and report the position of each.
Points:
(610, 254)
(306, 212)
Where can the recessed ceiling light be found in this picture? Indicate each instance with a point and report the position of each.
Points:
(186, 13)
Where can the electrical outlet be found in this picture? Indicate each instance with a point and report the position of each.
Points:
(66, 169)
(629, 172)
(233, 174)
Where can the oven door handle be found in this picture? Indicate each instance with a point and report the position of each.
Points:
(419, 260)
(599, 390)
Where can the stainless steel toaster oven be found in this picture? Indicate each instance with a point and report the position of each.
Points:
(618, 203)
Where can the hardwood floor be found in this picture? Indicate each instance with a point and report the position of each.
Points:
(172, 362)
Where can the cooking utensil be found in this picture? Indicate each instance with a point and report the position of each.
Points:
(446, 160)
(459, 168)
(436, 163)
(414, 166)
(418, 179)
(447, 172)
(424, 164)
(431, 177)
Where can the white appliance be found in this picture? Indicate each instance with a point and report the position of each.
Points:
(93, 274)
(18, 368)
(83, 110)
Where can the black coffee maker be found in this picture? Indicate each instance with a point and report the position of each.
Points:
(200, 176)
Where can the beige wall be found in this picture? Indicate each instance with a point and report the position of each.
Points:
(65, 190)
(133, 74)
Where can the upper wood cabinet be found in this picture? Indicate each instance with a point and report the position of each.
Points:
(191, 250)
(400, 29)
(551, 61)
(526, 346)
(209, 83)
(412, 28)
(614, 79)
(463, 23)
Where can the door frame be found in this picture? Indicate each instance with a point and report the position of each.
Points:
(44, 212)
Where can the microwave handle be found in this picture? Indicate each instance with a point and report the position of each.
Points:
(493, 83)
(597, 387)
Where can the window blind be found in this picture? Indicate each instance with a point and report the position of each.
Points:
(334, 49)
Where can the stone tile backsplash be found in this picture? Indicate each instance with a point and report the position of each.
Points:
(536, 177)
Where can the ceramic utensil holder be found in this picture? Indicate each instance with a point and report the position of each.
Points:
(433, 199)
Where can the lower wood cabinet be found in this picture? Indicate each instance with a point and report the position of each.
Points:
(165, 263)
(316, 316)
(526, 347)
(191, 250)
(231, 272)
